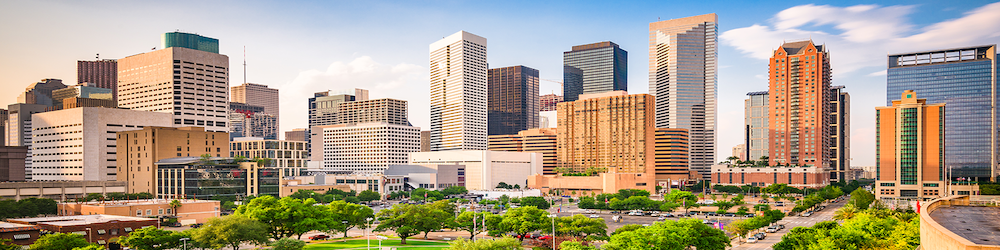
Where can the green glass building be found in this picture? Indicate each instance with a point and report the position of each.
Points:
(190, 41)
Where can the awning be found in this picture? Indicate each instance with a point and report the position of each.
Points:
(128, 229)
(102, 242)
(101, 231)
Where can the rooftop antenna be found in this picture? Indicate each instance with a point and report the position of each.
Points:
(98, 56)
(244, 64)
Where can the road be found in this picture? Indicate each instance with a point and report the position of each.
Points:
(791, 222)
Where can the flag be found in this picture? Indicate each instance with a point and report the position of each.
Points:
(918, 207)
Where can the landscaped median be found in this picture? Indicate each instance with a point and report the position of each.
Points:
(349, 244)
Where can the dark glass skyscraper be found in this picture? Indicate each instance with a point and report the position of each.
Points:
(965, 80)
(594, 68)
(513, 100)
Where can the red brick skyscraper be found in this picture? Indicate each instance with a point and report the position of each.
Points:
(798, 112)
(101, 74)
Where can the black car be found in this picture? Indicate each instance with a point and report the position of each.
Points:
(196, 225)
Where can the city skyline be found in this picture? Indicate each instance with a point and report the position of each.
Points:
(859, 36)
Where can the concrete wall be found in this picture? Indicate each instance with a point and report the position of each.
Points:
(935, 236)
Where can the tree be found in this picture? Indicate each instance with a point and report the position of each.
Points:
(59, 241)
(288, 244)
(6, 244)
(504, 185)
(353, 214)
(846, 212)
(861, 198)
(368, 195)
(401, 219)
(90, 247)
(436, 216)
(420, 193)
(536, 201)
(232, 231)
(151, 238)
(673, 235)
(626, 228)
(505, 243)
(579, 226)
(724, 206)
(472, 222)
(174, 204)
(575, 245)
(522, 221)
(206, 160)
(287, 216)
(453, 190)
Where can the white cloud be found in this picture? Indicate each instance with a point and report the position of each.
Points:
(401, 81)
(878, 73)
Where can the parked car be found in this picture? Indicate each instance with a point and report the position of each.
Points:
(661, 218)
(594, 216)
(730, 215)
(654, 214)
(807, 214)
(748, 215)
(760, 236)
(771, 229)
(751, 239)
(545, 237)
(762, 202)
(319, 237)
(667, 215)
(196, 225)
(781, 226)
(779, 204)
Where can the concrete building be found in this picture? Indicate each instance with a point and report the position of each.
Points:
(798, 111)
(594, 68)
(548, 119)
(324, 107)
(683, 74)
(98, 229)
(607, 130)
(191, 84)
(258, 95)
(867, 172)
(138, 152)
(247, 120)
(386, 110)
(214, 178)
(84, 91)
(756, 127)
(288, 156)
(459, 92)
(292, 186)
(12, 163)
(40, 92)
(59, 190)
(966, 79)
(79, 144)
(298, 134)
(485, 169)
(334, 179)
(840, 134)
(364, 147)
(798, 176)
(100, 73)
(671, 158)
(80, 102)
(958, 222)
(425, 141)
(19, 234)
(602, 183)
(910, 141)
(539, 140)
(17, 130)
(429, 176)
(740, 151)
(513, 100)
(548, 102)
(190, 211)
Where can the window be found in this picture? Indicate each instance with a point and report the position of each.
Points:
(160, 211)
(169, 211)
(138, 212)
(101, 232)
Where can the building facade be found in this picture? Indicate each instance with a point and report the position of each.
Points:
(258, 95)
(138, 152)
(191, 84)
(756, 130)
(324, 106)
(594, 68)
(513, 100)
(100, 73)
(548, 119)
(364, 147)
(59, 190)
(459, 92)
(428, 176)
(190, 211)
(19, 234)
(79, 144)
(671, 152)
(965, 79)
(298, 134)
(794, 176)
(548, 102)
(740, 152)
(539, 140)
(83, 90)
(607, 130)
(99, 229)
(247, 120)
(386, 110)
(40, 92)
(12, 163)
(214, 178)
(288, 156)
(840, 134)
(798, 115)
(683, 73)
(484, 170)
(425, 141)
(910, 141)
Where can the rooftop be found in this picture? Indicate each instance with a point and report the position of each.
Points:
(77, 220)
(976, 224)
(124, 203)
(14, 227)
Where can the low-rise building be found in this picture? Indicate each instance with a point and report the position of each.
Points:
(19, 234)
(59, 190)
(100, 229)
(485, 169)
(213, 178)
(539, 140)
(289, 156)
(429, 176)
(356, 182)
(599, 183)
(189, 212)
(138, 151)
(364, 148)
(289, 187)
(805, 176)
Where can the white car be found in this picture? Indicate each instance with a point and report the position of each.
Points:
(594, 216)
(752, 239)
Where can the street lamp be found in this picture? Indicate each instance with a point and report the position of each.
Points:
(369, 219)
(185, 240)
(553, 216)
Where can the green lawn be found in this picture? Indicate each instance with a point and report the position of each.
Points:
(385, 243)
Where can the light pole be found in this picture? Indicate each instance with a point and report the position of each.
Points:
(90, 236)
(367, 237)
(185, 240)
(553, 216)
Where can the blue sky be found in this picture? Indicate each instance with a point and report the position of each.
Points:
(305, 47)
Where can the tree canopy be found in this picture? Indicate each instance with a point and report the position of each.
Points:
(232, 231)
(670, 235)
(59, 241)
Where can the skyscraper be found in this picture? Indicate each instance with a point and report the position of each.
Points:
(323, 108)
(41, 92)
(607, 130)
(190, 41)
(458, 92)
(513, 100)
(191, 84)
(100, 74)
(682, 76)
(257, 94)
(671, 157)
(539, 140)
(965, 79)
(548, 102)
(840, 134)
(909, 141)
(798, 107)
(594, 68)
(85, 91)
(756, 128)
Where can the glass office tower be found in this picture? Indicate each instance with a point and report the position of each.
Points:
(190, 41)
(965, 79)
(594, 68)
(512, 100)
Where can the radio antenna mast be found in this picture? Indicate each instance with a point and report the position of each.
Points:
(244, 64)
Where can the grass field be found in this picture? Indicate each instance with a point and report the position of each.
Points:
(424, 245)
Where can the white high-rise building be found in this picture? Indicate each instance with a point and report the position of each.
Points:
(682, 76)
(365, 147)
(458, 92)
(79, 144)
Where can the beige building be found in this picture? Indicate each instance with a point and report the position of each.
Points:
(190, 211)
(740, 151)
(289, 156)
(331, 179)
(298, 134)
(602, 183)
(386, 110)
(485, 169)
(801, 176)
(364, 147)
(193, 85)
(671, 157)
(79, 144)
(910, 143)
(539, 140)
(289, 187)
(138, 150)
(607, 130)
(458, 74)
(257, 95)
(59, 190)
